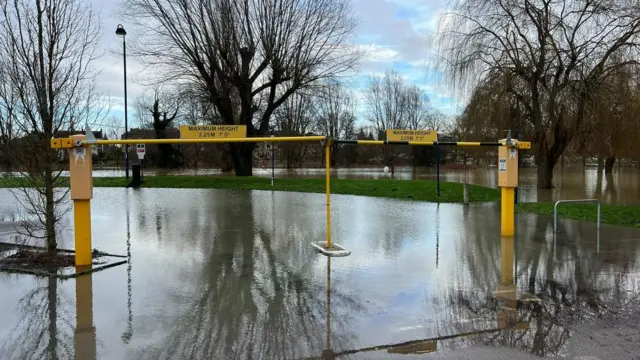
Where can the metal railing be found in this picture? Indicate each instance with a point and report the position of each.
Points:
(555, 210)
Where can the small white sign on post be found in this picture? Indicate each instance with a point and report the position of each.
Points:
(503, 164)
(79, 153)
(140, 150)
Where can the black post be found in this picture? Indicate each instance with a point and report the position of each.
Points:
(438, 168)
(273, 161)
(126, 120)
(515, 192)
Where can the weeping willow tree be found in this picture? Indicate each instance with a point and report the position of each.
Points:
(556, 53)
(492, 111)
(612, 124)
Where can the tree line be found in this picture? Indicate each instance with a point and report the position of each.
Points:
(329, 108)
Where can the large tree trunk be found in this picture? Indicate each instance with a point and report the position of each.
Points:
(165, 160)
(545, 163)
(608, 164)
(242, 156)
(600, 163)
(335, 150)
(547, 155)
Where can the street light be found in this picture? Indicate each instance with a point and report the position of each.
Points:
(120, 31)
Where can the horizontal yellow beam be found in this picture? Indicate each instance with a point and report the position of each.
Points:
(67, 143)
(524, 145)
(521, 144)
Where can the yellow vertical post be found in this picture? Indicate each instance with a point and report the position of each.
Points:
(327, 155)
(81, 189)
(507, 213)
(85, 332)
(508, 181)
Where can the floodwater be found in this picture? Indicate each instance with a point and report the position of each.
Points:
(218, 274)
(620, 187)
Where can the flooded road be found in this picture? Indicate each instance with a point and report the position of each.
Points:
(217, 274)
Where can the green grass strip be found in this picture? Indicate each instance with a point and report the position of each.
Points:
(420, 190)
(625, 215)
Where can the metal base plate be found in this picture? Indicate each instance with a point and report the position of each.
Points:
(336, 250)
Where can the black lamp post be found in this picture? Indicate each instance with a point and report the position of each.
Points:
(120, 31)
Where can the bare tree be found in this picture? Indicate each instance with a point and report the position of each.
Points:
(334, 113)
(386, 99)
(417, 108)
(553, 53)
(294, 118)
(159, 113)
(247, 56)
(46, 52)
(7, 120)
(334, 110)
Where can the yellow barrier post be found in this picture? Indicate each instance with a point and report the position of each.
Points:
(81, 189)
(329, 248)
(327, 155)
(508, 181)
(85, 332)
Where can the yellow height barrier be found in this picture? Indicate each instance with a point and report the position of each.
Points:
(81, 181)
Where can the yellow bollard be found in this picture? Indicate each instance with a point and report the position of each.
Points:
(81, 190)
(507, 213)
(327, 152)
(85, 332)
(508, 181)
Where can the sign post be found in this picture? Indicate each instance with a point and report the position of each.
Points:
(141, 151)
(418, 135)
(273, 162)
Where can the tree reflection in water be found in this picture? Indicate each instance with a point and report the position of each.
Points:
(552, 297)
(45, 330)
(253, 301)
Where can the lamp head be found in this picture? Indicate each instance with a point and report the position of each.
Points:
(120, 31)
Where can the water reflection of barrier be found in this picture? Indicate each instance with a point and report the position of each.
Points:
(81, 181)
(85, 331)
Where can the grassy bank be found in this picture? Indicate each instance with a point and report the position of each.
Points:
(399, 189)
(625, 215)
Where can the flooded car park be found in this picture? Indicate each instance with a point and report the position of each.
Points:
(231, 274)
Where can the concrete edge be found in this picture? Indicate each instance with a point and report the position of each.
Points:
(337, 250)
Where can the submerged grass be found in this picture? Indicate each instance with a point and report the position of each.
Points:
(420, 190)
(625, 215)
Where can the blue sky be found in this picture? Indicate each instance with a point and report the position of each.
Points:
(393, 33)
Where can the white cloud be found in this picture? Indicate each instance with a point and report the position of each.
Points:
(378, 53)
(392, 33)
